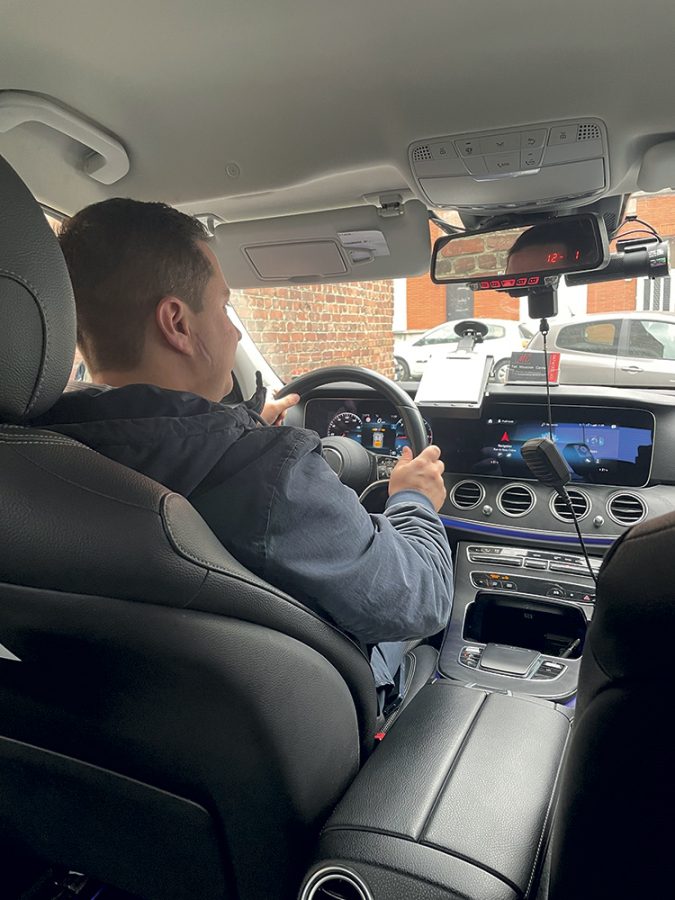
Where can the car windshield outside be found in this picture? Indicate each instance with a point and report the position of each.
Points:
(619, 333)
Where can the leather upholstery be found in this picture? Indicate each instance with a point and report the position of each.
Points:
(37, 311)
(454, 797)
(142, 649)
(618, 786)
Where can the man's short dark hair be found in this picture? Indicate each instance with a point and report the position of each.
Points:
(123, 257)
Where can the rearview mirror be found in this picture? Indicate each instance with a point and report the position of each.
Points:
(523, 256)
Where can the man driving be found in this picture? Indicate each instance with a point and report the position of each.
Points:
(154, 330)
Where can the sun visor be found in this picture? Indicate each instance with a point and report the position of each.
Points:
(337, 245)
(657, 171)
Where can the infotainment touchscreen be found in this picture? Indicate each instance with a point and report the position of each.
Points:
(601, 445)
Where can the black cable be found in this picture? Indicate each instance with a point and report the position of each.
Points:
(566, 497)
(544, 329)
(445, 226)
(648, 229)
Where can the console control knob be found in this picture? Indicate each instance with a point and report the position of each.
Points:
(598, 521)
(487, 510)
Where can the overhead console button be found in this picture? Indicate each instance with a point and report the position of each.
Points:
(531, 139)
(442, 150)
(500, 143)
(563, 134)
(503, 163)
(531, 159)
(469, 148)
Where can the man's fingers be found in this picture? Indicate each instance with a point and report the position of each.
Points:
(432, 452)
(286, 402)
(406, 454)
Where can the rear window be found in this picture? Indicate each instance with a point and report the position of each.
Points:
(495, 332)
(651, 339)
(590, 337)
(443, 335)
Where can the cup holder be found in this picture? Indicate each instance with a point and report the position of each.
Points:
(550, 628)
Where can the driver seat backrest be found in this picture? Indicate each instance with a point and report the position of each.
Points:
(169, 723)
(613, 831)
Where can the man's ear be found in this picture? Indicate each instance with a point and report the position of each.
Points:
(173, 323)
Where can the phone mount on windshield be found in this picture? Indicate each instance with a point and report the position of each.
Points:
(454, 384)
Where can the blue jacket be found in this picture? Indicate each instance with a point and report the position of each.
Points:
(276, 505)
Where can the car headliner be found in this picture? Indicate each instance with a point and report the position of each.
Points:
(317, 103)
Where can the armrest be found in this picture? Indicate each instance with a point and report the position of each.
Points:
(458, 795)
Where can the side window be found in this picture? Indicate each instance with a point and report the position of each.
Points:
(590, 337)
(494, 332)
(445, 334)
(651, 339)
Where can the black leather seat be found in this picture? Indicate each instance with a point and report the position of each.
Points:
(614, 831)
(169, 723)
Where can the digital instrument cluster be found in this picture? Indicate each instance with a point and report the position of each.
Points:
(375, 425)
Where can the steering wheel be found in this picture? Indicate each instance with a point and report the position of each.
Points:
(354, 465)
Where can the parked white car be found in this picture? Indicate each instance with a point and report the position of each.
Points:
(504, 337)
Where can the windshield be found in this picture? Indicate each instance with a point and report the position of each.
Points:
(615, 333)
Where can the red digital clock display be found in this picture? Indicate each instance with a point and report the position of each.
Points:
(555, 257)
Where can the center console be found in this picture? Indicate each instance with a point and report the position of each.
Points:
(455, 803)
(519, 619)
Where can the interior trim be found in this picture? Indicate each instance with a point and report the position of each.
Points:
(552, 537)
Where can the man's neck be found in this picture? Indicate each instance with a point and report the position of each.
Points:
(174, 381)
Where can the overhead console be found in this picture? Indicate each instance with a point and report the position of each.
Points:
(517, 168)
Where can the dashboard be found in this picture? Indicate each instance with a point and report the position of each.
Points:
(601, 445)
(520, 579)
(617, 445)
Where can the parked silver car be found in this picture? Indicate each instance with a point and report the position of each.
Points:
(634, 349)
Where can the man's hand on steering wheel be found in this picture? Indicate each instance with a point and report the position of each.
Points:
(424, 473)
(274, 411)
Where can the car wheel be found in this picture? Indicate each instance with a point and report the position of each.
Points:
(500, 371)
(401, 369)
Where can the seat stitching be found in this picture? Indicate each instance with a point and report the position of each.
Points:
(83, 487)
(549, 810)
(34, 441)
(44, 361)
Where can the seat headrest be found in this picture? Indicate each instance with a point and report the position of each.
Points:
(37, 308)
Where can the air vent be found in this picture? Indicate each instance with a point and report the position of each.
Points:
(467, 494)
(588, 132)
(626, 509)
(580, 504)
(422, 154)
(335, 883)
(516, 500)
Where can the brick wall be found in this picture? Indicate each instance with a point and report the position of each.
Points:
(301, 328)
(610, 296)
(425, 303)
